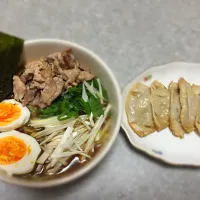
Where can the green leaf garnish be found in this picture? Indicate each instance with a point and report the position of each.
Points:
(96, 106)
(71, 104)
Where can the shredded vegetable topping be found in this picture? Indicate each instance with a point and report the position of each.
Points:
(74, 128)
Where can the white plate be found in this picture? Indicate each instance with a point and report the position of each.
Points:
(164, 145)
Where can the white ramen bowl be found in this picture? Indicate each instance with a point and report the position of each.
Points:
(34, 49)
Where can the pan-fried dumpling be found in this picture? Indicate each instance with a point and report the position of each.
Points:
(175, 111)
(189, 106)
(196, 90)
(139, 111)
(160, 99)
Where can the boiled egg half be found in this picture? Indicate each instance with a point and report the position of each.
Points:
(18, 152)
(12, 115)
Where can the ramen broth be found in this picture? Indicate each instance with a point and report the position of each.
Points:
(75, 162)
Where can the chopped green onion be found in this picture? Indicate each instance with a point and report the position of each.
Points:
(100, 90)
(90, 89)
(96, 129)
(84, 94)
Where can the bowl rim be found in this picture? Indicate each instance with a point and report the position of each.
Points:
(96, 160)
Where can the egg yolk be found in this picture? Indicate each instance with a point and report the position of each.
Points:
(12, 149)
(8, 113)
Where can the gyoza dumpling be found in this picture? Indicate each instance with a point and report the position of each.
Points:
(139, 111)
(196, 90)
(189, 106)
(160, 105)
(175, 111)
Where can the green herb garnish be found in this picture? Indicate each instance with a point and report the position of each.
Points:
(71, 103)
(96, 106)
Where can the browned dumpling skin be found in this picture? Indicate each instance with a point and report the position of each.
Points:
(196, 90)
(175, 110)
(160, 100)
(139, 110)
(189, 106)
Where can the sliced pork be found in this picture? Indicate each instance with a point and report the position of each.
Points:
(44, 80)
